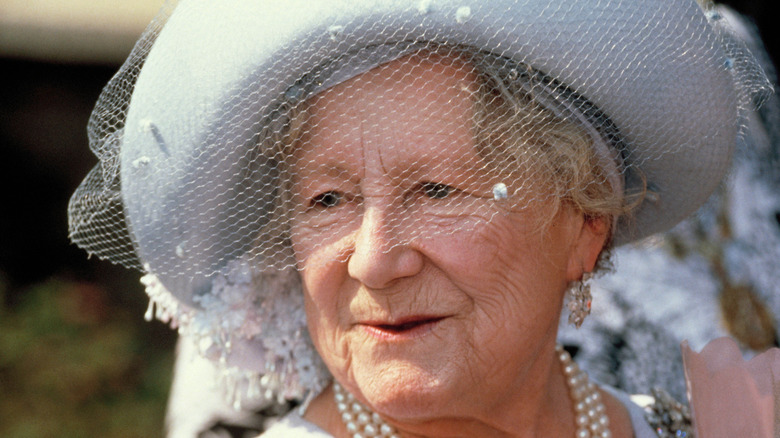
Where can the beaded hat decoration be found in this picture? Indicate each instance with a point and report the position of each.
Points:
(205, 139)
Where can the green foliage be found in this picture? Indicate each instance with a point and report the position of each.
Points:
(74, 364)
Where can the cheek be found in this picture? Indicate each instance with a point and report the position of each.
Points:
(325, 301)
(323, 273)
(509, 271)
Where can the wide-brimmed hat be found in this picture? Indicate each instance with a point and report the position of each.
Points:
(182, 192)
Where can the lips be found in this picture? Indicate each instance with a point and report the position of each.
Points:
(406, 328)
(408, 325)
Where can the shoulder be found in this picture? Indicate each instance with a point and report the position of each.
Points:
(292, 425)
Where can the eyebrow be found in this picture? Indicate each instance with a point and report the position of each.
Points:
(317, 168)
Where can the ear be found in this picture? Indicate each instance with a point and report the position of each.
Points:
(588, 243)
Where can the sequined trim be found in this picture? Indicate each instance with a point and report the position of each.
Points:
(668, 417)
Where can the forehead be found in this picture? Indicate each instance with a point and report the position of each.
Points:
(429, 79)
(414, 106)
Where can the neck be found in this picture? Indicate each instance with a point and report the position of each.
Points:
(538, 404)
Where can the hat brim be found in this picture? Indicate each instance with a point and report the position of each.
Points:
(662, 83)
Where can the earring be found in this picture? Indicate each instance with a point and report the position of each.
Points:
(580, 300)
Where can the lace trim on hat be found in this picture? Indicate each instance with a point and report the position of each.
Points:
(252, 326)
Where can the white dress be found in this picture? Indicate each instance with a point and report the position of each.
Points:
(292, 425)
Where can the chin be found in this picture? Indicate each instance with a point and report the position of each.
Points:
(407, 391)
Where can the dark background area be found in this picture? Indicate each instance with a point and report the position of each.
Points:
(76, 357)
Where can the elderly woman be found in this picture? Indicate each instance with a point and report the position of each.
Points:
(377, 208)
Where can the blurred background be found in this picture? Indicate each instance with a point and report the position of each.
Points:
(77, 358)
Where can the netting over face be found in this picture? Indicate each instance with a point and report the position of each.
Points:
(433, 143)
(244, 141)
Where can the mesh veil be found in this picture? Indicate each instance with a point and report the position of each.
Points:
(96, 218)
(244, 141)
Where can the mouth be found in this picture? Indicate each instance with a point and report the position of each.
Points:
(409, 325)
(404, 329)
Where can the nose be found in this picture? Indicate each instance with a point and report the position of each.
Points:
(380, 255)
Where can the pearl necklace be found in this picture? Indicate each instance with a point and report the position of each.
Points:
(590, 415)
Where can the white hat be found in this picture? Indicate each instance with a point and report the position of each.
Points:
(177, 150)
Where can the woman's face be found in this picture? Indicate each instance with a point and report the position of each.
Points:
(424, 296)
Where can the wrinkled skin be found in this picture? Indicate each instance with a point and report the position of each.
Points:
(479, 287)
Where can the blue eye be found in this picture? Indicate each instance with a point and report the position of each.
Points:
(328, 199)
(436, 190)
